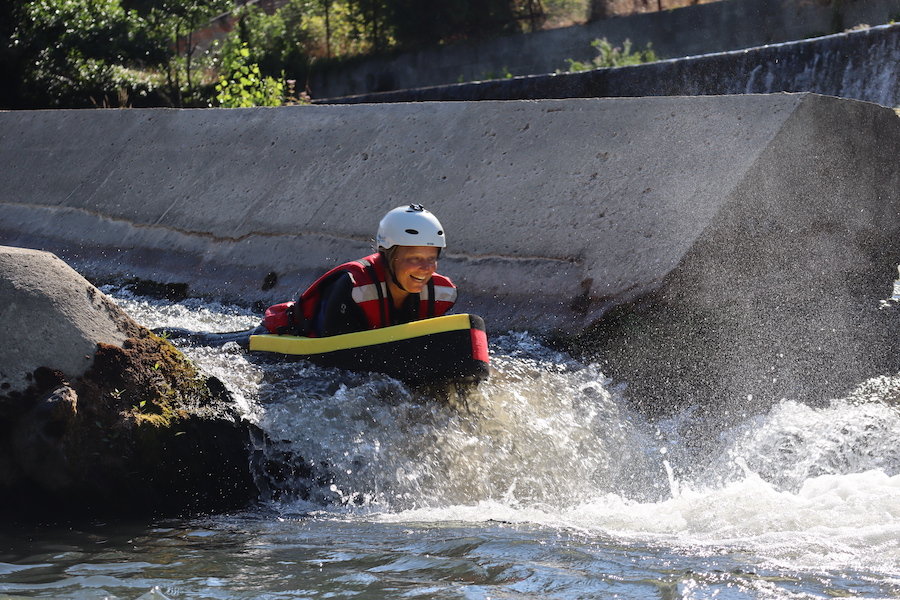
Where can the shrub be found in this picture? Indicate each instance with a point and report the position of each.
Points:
(242, 85)
(614, 56)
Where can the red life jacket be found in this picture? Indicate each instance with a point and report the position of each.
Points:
(369, 277)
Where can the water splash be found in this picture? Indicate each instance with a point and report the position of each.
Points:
(191, 313)
(896, 295)
(542, 482)
(795, 443)
(241, 377)
(540, 432)
(544, 431)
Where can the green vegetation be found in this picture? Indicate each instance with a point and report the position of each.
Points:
(242, 85)
(614, 56)
(82, 53)
(124, 53)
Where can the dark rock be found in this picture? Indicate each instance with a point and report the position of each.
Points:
(139, 431)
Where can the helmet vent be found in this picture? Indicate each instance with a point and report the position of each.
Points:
(412, 232)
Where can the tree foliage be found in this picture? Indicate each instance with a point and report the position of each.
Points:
(82, 53)
(174, 26)
(241, 84)
(417, 23)
(79, 53)
(68, 51)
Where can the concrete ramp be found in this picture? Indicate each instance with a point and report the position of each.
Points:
(545, 203)
(773, 215)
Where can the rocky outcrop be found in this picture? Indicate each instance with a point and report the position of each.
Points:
(100, 416)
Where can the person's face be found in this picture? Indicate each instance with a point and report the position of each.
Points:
(414, 266)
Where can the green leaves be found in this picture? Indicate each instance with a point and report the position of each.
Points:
(614, 56)
(80, 53)
(73, 45)
(241, 84)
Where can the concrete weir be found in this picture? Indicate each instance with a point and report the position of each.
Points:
(769, 221)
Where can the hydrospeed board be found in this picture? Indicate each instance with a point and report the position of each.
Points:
(452, 347)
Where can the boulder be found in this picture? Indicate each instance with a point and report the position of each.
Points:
(51, 316)
(98, 416)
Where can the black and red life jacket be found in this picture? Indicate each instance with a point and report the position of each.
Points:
(370, 293)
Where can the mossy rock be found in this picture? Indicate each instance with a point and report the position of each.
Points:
(142, 432)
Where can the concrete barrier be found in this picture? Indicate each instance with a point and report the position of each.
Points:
(688, 31)
(861, 65)
(770, 212)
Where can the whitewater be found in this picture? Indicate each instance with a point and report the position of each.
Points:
(541, 483)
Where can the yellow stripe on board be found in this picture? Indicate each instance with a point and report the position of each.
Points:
(291, 344)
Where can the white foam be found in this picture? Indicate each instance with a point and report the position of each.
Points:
(548, 442)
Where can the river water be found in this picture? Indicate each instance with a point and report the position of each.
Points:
(542, 483)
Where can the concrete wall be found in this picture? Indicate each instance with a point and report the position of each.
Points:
(863, 65)
(766, 223)
(702, 29)
(559, 193)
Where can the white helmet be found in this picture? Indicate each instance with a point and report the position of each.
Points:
(410, 226)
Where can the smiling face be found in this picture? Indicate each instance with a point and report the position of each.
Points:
(413, 266)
